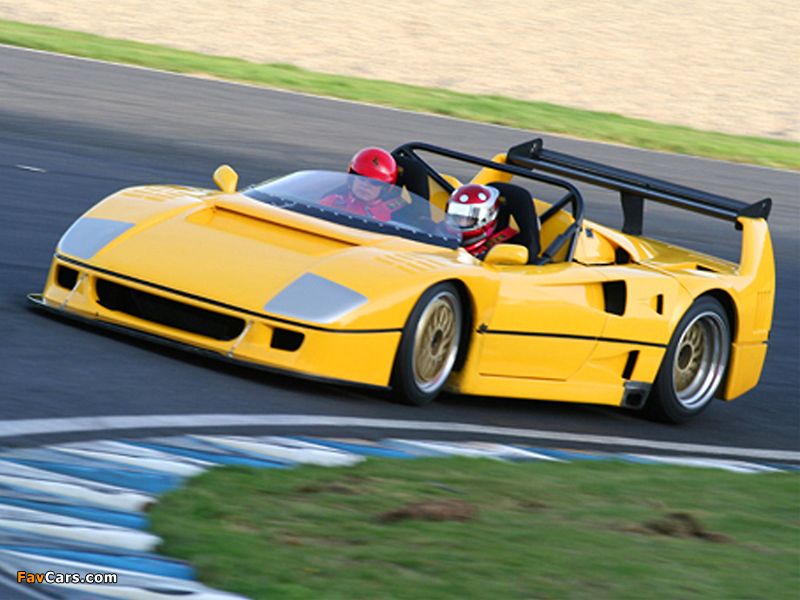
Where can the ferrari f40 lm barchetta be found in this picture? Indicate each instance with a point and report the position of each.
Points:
(284, 275)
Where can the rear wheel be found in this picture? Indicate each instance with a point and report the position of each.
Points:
(694, 365)
(429, 346)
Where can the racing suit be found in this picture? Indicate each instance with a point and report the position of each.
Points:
(377, 209)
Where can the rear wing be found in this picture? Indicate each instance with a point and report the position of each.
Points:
(634, 188)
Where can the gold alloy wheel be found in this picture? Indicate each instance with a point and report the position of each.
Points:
(700, 360)
(436, 341)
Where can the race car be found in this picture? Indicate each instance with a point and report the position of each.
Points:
(277, 276)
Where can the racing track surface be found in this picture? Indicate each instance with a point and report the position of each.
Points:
(73, 131)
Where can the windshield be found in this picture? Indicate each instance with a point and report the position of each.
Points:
(359, 202)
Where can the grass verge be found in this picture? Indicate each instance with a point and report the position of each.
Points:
(475, 529)
(536, 116)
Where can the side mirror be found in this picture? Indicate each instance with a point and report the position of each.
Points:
(226, 178)
(507, 254)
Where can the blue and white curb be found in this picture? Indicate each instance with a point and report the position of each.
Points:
(80, 507)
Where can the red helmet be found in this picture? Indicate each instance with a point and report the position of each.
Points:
(474, 209)
(375, 163)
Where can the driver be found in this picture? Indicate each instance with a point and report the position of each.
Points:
(475, 208)
(365, 194)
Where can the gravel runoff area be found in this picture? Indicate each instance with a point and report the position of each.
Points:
(722, 65)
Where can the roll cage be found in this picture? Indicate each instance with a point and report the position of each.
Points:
(572, 197)
(531, 161)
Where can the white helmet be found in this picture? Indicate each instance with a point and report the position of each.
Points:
(474, 209)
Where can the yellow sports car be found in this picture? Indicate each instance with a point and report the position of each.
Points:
(277, 275)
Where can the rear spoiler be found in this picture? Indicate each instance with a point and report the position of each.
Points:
(633, 187)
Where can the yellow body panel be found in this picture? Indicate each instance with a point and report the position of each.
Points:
(555, 339)
(744, 369)
(362, 358)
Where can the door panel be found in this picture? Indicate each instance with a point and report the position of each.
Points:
(547, 321)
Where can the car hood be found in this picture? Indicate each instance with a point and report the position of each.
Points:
(230, 250)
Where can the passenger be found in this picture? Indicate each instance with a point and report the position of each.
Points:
(474, 209)
(366, 194)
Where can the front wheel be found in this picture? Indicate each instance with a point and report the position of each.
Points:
(429, 346)
(694, 365)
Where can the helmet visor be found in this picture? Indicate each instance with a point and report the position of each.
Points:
(467, 216)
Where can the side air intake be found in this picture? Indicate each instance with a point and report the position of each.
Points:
(615, 296)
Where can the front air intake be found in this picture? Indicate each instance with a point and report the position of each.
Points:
(285, 339)
(170, 313)
(66, 277)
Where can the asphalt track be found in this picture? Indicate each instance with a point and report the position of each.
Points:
(73, 131)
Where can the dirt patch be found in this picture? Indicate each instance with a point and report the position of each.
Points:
(333, 487)
(683, 525)
(436, 510)
(723, 65)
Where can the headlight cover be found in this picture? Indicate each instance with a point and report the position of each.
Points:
(89, 235)
(316, 299)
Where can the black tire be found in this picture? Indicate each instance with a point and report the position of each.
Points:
(694, 365)
(429, 346)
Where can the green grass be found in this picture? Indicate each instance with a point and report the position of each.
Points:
(537, 116)
(540, 530)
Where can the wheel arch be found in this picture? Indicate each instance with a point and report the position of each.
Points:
(676, 402)
(728, 303)
(468, 305)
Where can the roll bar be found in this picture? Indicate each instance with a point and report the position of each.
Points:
(571, 198)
